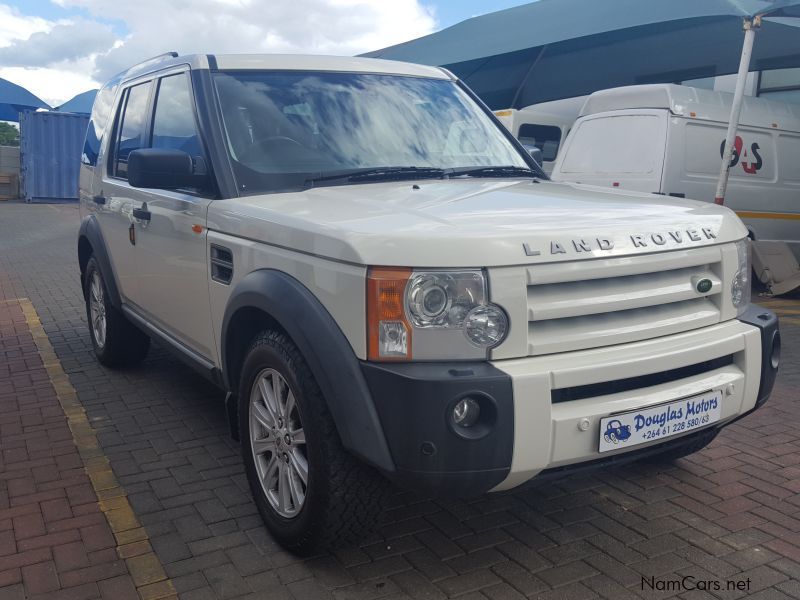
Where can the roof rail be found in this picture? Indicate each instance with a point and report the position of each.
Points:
(154, 60)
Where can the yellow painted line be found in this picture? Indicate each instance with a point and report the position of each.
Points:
(745, 214)
(133, 544)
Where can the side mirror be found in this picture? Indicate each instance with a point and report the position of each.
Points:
(163, 168)
(536, 154)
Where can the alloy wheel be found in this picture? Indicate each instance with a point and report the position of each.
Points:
(278, 443)
(97, 309)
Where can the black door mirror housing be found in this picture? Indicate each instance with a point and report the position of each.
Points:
(164, 168)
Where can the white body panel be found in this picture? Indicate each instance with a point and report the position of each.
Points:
(547, 434)
(609, 146)
(457, 223)
(466, 222)
(172, 267)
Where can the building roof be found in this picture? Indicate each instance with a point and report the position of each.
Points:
(80, 103)
(15, 99)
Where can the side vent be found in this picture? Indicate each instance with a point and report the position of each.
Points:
(221, 264)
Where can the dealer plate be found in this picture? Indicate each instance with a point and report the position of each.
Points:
(660, 422)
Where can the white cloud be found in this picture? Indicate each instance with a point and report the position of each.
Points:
(319, 26)
(55, 85)
(15, 26)
(74, 53)
(64, 42)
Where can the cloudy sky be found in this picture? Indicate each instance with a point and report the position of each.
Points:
(58, 48)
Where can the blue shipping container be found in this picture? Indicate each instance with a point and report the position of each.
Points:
(50, 154)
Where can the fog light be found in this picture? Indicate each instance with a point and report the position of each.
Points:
(466, 412)
(392, 339)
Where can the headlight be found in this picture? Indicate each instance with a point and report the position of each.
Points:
(446, 314)
(741, 284)
(486, 326)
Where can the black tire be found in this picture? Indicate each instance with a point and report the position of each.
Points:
(678, 452)
(343, 496)
(123, 344)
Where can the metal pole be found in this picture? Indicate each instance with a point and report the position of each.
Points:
(750, 27)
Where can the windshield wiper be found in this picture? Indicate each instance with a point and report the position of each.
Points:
(504, 171)
(379, 174)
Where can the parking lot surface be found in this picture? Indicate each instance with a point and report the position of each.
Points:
(158, 503)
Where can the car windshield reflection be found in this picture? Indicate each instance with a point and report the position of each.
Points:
(292, 130)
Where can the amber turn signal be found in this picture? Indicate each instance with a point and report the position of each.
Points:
(388, 331)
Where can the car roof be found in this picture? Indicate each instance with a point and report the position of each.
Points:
(284, 62)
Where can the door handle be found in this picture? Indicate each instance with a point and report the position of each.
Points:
(142, 213)
(99, 199)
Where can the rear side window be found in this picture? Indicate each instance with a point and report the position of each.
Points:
(545, 137)
(629, 144)
(101, 110)
(132, 133)
(173, 122)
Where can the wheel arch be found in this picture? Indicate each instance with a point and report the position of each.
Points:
(269, 299)
(91, 243)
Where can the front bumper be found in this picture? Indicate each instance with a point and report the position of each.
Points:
(537, 408)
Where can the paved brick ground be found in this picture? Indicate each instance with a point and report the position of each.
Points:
(729, 513)
(54, 540)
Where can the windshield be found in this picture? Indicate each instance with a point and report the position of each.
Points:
(300, 129)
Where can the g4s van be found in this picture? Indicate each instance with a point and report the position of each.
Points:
(668, 139)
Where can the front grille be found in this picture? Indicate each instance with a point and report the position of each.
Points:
(634, 383)
(589, 304)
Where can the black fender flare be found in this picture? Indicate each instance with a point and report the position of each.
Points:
(326, 350)
(90, 229)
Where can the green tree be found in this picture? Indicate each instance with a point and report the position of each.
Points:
(9, 135)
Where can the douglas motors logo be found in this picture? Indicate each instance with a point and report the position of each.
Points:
(751, 162)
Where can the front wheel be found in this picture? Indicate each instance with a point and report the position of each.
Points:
(309, 490)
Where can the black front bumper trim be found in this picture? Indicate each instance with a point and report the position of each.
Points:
(414, 402)
(767, 323)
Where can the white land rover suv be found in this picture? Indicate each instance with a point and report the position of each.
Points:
(388, 287)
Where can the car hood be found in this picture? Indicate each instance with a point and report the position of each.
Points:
(473, 222)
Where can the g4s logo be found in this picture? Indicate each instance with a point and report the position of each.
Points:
(749, 167)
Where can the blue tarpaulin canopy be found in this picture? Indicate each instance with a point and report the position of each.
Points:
(15, 99)
(80, 104)
(554, 49)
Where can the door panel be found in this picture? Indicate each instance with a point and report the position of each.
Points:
(173, 268)
(116, 198)
(171, 248)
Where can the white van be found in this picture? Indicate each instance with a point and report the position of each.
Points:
(544, 125)
(667, 139)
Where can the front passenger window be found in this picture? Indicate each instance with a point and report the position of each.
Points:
(132, 127)
(173, 122)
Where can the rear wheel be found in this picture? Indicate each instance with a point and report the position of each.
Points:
(115, 340)
(309, 490)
